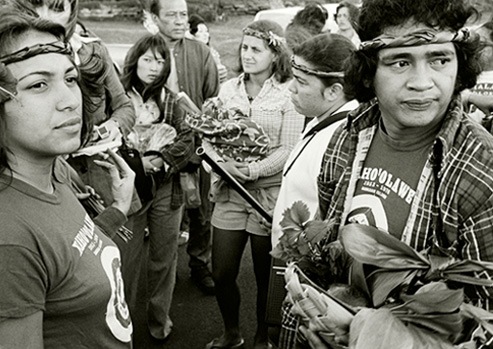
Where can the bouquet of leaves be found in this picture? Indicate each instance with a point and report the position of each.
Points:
(422, 290)
(309, 243)
(418, 297)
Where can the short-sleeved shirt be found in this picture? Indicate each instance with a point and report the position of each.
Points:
(54, 259)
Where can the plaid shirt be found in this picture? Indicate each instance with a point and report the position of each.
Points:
(273, 110)
(177, 154)
(454, 199)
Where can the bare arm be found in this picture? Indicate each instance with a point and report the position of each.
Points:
(25, 332)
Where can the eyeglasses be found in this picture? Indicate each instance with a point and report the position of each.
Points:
(38, 49)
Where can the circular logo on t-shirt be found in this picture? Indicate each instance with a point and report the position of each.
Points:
(368, 210)
(117, 312)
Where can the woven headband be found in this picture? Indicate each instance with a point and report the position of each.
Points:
(38, 49)
(319, 73)
(271, 38)
(8, 83)
(416, 38)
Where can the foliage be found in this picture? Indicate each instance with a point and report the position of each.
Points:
(419, 295)
(308, 243)
(422, 289)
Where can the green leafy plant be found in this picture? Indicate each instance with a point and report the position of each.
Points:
(308, 242)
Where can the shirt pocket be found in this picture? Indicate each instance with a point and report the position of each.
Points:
(269, 117)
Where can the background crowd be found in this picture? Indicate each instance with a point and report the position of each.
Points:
(97, 162)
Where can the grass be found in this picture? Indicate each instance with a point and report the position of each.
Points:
(225, 36)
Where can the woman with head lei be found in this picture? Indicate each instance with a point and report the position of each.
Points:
(55, 259)
(166, 144)
(199, 31)
(346, 18)
(93, 60)
(261, 92)
(114, 112)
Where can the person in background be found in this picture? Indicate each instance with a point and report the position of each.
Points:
(346, 18)
(261, 92)
(307, 22)
(479, 99)
(194, 72)
(61, 281)
(166, 144)
(312, 17)
(199, 31)
(317, 92)
(411, 129)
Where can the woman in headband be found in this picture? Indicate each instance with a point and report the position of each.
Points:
(115, 113)
(61, 282)
(261, 92)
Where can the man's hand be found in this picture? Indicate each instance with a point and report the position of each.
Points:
(122, 180)
(314, 341)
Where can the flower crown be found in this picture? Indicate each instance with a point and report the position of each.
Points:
(271, 38)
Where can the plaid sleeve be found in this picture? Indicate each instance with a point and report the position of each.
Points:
(179, 153)
(291, 128)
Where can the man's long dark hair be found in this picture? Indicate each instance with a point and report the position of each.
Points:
(377, 15)
(327, 53)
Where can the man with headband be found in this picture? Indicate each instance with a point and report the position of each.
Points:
(317, 92)
(409, 161)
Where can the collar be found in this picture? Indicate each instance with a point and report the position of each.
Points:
(271, 81)
(327, 119)
(368, 114)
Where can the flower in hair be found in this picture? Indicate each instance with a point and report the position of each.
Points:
(271, 38)
(8, 84)
(149, 23)
(275, 40)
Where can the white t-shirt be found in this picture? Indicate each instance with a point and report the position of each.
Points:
(299, 182)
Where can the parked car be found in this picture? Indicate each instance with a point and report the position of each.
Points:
(283, 16)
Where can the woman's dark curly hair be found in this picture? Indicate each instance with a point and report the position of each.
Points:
(194, 21)
(157, 45)
(14, 25)
(312, 17)
(328, 53)
(377, 15)
(353, 12)
(281, 67)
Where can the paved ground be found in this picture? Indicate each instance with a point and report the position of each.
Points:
(195, 315)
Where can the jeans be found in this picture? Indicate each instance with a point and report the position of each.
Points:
(163, 223)
(199, 242)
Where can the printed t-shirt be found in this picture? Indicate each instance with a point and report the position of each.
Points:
(387, 183)
(54, 259)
